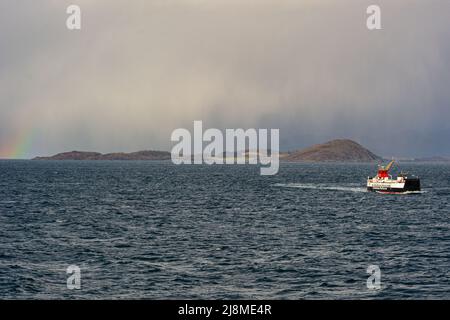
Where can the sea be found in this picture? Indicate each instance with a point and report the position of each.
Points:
(154, 230)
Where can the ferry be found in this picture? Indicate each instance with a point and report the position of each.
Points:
(384, 183)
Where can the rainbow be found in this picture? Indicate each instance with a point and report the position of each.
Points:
(19, 146)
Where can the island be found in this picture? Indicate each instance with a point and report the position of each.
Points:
(339, 150)
(82, 155)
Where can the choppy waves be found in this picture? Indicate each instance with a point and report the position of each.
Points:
(321, 187)
(155, 230)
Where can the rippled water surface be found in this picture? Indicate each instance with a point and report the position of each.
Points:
(155, 230)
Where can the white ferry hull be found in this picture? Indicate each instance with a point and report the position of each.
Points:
(393, 186)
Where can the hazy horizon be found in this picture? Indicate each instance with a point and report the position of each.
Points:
(137, 71)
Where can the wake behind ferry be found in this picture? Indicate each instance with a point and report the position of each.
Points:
(384, 183)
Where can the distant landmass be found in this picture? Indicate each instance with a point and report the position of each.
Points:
(82, 155)
(434, 159)
(339, 150)
(333, 151)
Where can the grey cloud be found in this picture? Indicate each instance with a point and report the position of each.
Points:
(137, 70)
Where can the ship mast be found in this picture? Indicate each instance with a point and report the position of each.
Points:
(383, 171)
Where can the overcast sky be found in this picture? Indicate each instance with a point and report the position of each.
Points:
(139, 69)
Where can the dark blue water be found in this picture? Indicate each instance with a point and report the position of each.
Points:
(156, 230)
